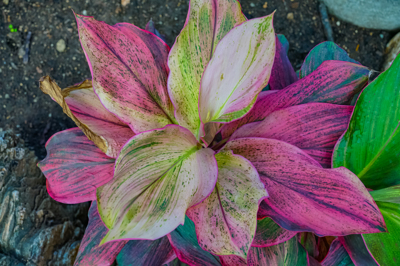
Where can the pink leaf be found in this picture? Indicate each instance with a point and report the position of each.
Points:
(333, 82)
(226, 220)
(75, 167)
(129, 70)
(159, 174)
(90, 251)
(239, 69)
(306, 197)
(269, 233)
(312, 127)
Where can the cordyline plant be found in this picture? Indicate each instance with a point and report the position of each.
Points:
(189, 157)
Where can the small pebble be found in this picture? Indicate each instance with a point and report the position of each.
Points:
(5, 2)
(252, 5)
(84, 12)
(265, 5)
(6, 96)
(125, 2)
(60, 46)
(381, 35)
(14, 66)
(290, 16)
(338, 23)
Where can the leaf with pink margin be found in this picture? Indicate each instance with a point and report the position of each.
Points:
(226, 220)
(337, 255)
(74, 167)
(357, 250)
(90, 252)
(184, 241)
(146, 252)
(333, 82)
(229, 87)
(159, 174)
(83, 106)
(207, 22)
(289, 253)
(129, 70)
(282, 73)
(270, 233)
(312, 127)
(305, 197)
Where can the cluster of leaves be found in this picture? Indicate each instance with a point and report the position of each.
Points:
(217, 153)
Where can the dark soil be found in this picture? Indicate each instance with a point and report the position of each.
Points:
(33, 114)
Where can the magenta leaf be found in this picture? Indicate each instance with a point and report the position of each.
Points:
(146, 252)
(313, 127)
(184, 241)
(282, 73)
(90, 252)
(306, 197)
(357, 250)
(129, 70)
(159, 174)
(337, 255)
(333, 82)
(74, 167)
(270, 233)
(226, 220)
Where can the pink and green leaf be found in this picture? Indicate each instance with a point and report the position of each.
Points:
(358, 252)
(282, 73)
(305, 197)
(370, 146)
(333, 82)
(74, 167)
(207, 22)
(146, 252)
(309, 242)
(129, 70)
(159, 174)
(312, 127)
(184, 241)
(83, 106)
(226, 220)
(229, 88)
(337, 256)
(323, 52)
(90, 252)
(270, 233)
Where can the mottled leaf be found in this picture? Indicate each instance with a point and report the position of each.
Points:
(385, 247)
(305, 197)
(323, 52)
(309, 242)
(159, 174)
(358, 252)
(337, 256)
(333, 82)
(207, 22)
(229, 88)
(90, 252)
(370, 146)
(74, 167)
(129, 70)
(270, 233)
(184, 241)
(146, 252)
(282, 73)
(226, 220)
(390, 194)
(313, 127)
(83, 106)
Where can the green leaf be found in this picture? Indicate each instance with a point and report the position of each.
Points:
(390, 194)
(385, 247)
(370, 146)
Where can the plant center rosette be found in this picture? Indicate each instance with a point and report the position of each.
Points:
(187, 155)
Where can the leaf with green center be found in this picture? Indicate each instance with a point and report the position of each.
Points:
(226, 220)
(184, 241)
(208, 21)
(358, 252)
(337, 256)
(370, 146)
(158, 175)
(129, 70)
(323, 52)
(239, 69)
(269, 233)
(390, 194)
(385, 247)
